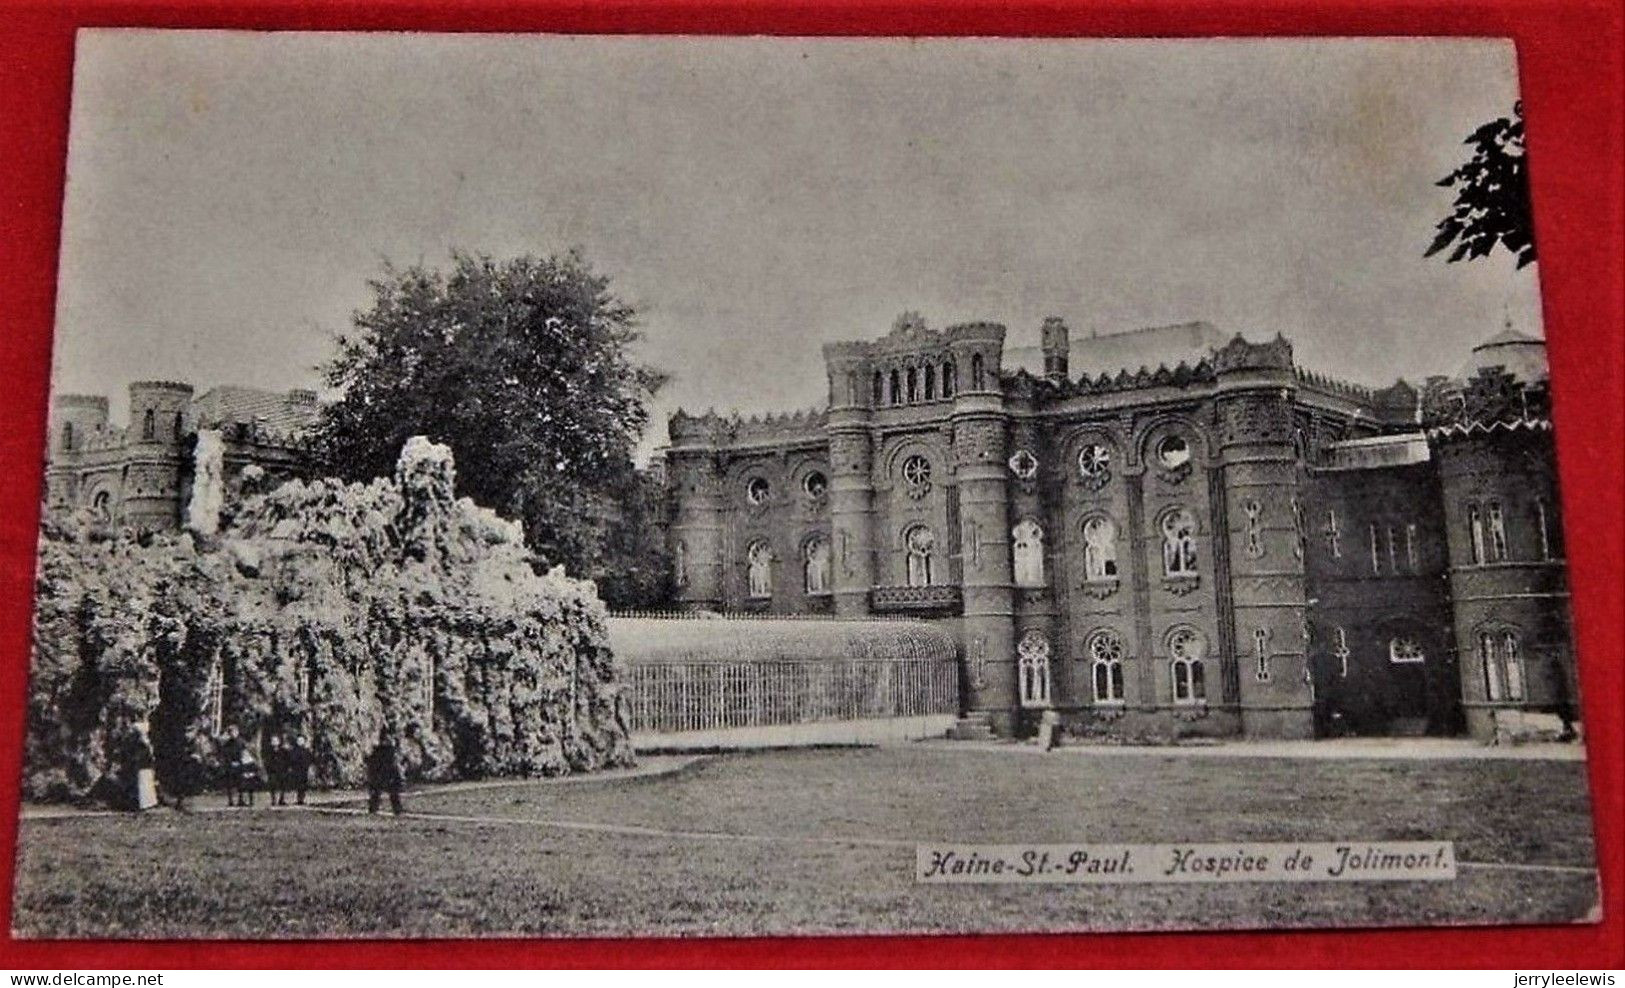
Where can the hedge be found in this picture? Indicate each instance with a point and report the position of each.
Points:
(337, 611)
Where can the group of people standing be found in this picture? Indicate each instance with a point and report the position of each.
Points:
(286, 769)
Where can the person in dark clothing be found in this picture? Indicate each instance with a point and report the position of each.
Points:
(250, 778)
(276, 770)
(1562, 697)
(298, 766)
(384, 775)
(231, 753)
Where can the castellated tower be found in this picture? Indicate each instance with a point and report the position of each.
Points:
(980, 453)
(153, 479)
(854, 393)
(1262, 599)
(1490, 431)
(695, 486)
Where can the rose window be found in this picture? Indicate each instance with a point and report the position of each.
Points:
(757, 490)
(815, 485)
(1173, 452)
(1094, 460)
(1106, 647)
(1186, 644)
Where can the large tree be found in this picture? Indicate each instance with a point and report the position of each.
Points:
(1492, 196)
(523, 367)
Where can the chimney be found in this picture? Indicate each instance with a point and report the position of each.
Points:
(1055, 344)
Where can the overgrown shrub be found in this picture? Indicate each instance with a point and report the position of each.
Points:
(339, 611)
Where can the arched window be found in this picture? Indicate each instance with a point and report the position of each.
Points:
(1099, 549)
(179, 419)
(1501, 654)
(1261, 654)
(880, 389)
(101, 506)
(815, 565)
(759, 566)
(1543, 525)
(1498, 534)
(1512, 655)
(929, 377)
(896, 393)
(1404, 648)
(1105, 649)
(1186, 646)
(913, 378)
(149, 427)
(977, 372)
(67, 435)
(679, 555)
(950, 379)
(919, 543)
(1032, 663)
(1179, 543)
(1475, 532)
(1027, 546)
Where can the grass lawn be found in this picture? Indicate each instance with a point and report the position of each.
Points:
(287, 873)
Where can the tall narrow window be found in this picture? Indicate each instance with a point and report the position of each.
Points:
(178, 422)
(759, 569)
(920, 545)
(879, 389)
(929, 378)
(1255, 535)
(1300, 544)
(1498, 534)
(1261, 654)
(815, 565)
(977, 372)
(913, 378)
(1513, 657)
(1179, 543)
(1410, 547)
(1475, 533)
(950, 379)
(149, 429)
(217, 696)
(1376, 558)
(895, 396)
(1334, 536)
(1186, 647)
(1341, 651)
(1542, 524)
(1489, 655)
(1027, 547)
(1032, 660)
(1099, 549)
(1106, 666)
(67, 435)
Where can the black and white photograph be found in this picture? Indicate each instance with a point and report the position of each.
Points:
(573, 486)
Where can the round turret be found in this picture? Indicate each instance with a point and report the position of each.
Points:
(1524, 357)
(74, 418)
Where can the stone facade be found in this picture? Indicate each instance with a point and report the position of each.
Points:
(141, 475)
(1233, 545)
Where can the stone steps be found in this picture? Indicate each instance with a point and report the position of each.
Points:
(972, 727)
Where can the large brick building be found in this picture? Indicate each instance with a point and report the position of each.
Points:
(1161, 532)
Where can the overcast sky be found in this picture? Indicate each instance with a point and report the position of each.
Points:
(230, 193)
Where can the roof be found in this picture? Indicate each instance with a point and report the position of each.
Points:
(1377, 452)
(1109, 353)
(1522, 356)
(278, 411)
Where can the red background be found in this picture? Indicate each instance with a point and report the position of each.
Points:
(1569, 57)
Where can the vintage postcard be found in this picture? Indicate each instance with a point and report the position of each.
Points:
(665, 486)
